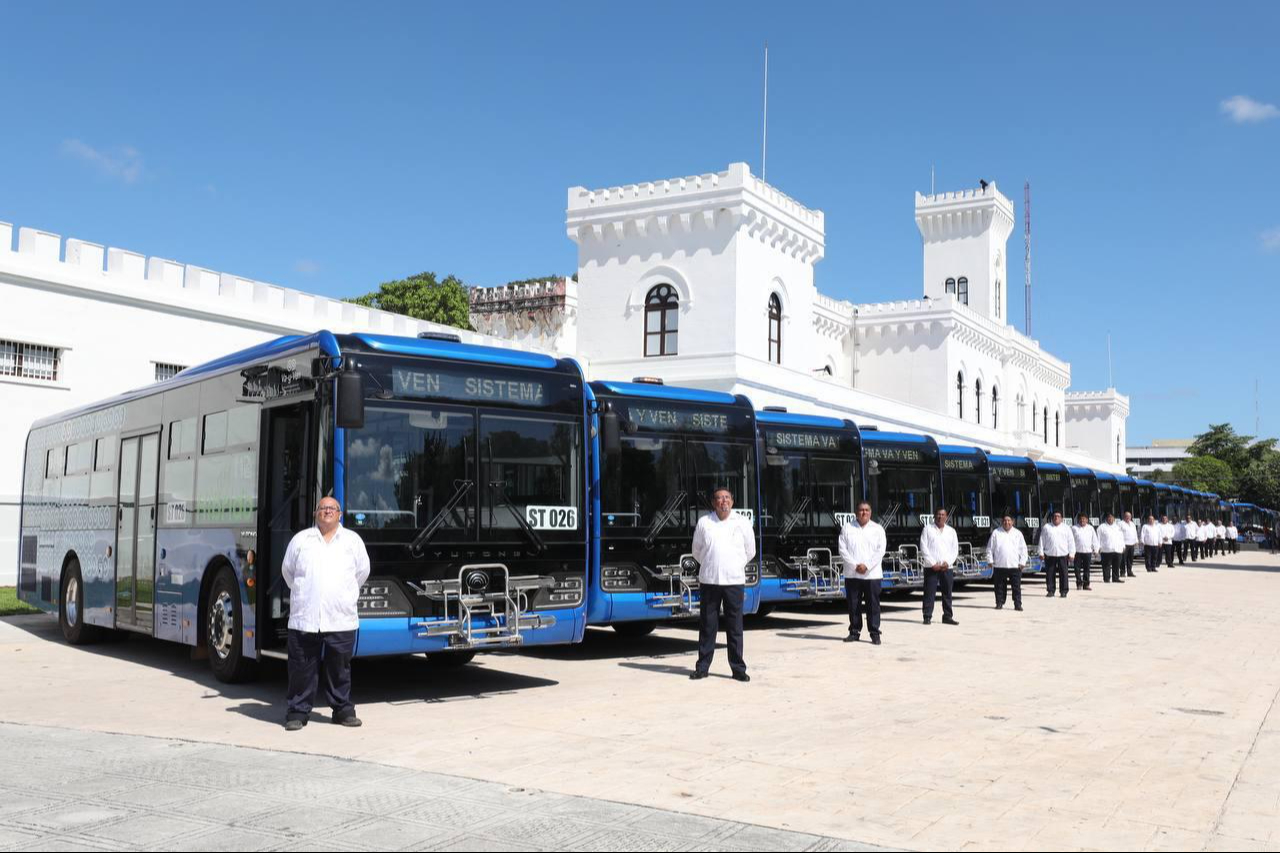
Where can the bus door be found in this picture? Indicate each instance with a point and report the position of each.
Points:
(286, 469)
(136, 532)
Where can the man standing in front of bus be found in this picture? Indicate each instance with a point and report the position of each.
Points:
(723, 544)
(1166, 540)
(862, 546)
(1233, 538)
(1191, 545)
(1111, 544)
(1058, 546)
(1086, 546)
(1130, 542)
(939, 550)
(1007, 550)
(1222, 538)
(1151, 537)
(324, 567)
(1180, 541)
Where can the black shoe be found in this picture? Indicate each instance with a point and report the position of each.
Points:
(741, 676)
(696, 674)
(1048, 595)
(1062, 595)
(1119, 581)
(852, 638)
(928, 621)
(1087, 588)
(999, 607)
(1153, 571)
(875, 641)
(1131, 575)
(294, 725)
(351, 721)
(947, 620)
(1017, 607)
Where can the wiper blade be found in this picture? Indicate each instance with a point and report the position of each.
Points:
(796, 515)
(663, 517)
(525, 527)
(461, 489)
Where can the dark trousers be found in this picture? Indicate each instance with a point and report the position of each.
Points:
(1005, 577)
(1110, 566)
(860, 593)
(1235, 546)
(1083, 561)
(1190, 545)
(1128, 560)
(1180, 550)
(714, 597)
(1151, 556)
(1168, 554)
(932, 580)
(315, 657)
(1055, 572)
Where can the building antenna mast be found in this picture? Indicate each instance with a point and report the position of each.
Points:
(764, 138)
(1026, 212)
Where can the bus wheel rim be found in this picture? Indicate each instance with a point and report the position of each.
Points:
(222, 619)
(72, 601)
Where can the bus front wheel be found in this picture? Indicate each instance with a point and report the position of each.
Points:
(71, 609)
(224, 630)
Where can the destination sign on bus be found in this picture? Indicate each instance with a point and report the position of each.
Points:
(895, 454)
(802, 440)
(422, 384)
(1006, 471)
(960, 464)
(1050, 477)
(650, 417)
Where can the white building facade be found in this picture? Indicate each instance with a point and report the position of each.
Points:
(705, 281)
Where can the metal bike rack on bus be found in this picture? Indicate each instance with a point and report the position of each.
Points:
(821, 576)
(969, 564)
(486, 606)
(905, 567)
(681, 596)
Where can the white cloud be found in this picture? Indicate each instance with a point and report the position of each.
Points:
(1243, 109)
(123, 163)
(306, 266)
(1271, 239)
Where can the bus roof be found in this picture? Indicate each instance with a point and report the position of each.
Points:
(434, 348)
(880, 437)
(1103, 475)
(1144, 482)
(792, 419)
(1077, 471)
(1164, 487)
(961, 450)
(667, 392)
(1125, 479)
(1051, 466)
(1011, 460)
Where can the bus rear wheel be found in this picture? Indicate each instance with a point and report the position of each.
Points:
(451, 660)
(71, 608)
(634, 629)
(224, 630)
(764, 610)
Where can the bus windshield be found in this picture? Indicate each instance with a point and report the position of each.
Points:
(408, 468)
(663, 484)
(803, 492)
(967, 505)
(902, 497)
(1017, 500)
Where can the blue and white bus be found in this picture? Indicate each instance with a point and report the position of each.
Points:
(810, 484)
(661, 451)
(167, 510)
(1015, 492)
(966, 492)
(903, 475)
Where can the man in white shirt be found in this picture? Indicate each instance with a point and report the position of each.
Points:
(723, 544)
(1166, 540)
(1086, 541)
(1222, 538)
(324, 567)
(1233, 538)
(1192, 545)
(862, 546)
(1180, 541)
(1130, 542)
(939, 550)
(1202, 538)
(1007, 550)
(1151, 536)
(1111, 546)
(1058, 546)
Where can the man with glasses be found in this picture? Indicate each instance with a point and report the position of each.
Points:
(723, 544)
(324, 568)
(862, 545)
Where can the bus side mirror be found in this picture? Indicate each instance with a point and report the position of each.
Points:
(610, 440)
(350, 400)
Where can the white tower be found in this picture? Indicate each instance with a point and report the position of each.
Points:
(965, 235)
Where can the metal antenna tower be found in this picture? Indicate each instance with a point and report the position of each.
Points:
(1026, 215)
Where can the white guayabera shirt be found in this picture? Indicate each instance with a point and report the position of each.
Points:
(863, 544)
(723, 549)
(1110, 538)
(1007, 548)
(1056, 541)
(324, 580)
(938, 545)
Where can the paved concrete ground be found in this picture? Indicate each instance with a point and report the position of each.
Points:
(1133, 716)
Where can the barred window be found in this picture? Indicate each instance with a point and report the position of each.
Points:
(661, 321)
(775, 329)
(167, 371)
(30, 361)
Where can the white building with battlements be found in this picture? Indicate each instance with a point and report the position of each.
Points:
(705, 281)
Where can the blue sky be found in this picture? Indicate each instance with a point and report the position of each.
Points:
(330, 147)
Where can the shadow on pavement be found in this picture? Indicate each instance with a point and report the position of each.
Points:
(604, 643)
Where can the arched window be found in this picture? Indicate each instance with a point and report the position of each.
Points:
(661, 321)
(962, 290)
(951, 285)
(1020, 403)
(775, 329)
(1035, 409)
(977, 396)
(999, 290)
(995, 408)
(960, 395)
(1057, 429)
(1117, 448)
(1046, 423)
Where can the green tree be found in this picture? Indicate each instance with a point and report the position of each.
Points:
(424, 297)
(1260, 483)
(1239, 451)
(1207, 474)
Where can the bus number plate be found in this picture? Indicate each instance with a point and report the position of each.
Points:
(748, 514)
(1033, 522)
(552, 517)
(982, 521)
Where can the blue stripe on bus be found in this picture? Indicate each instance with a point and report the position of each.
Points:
(879, 437)
(960, 450)
(789, 419)
(669, 392)
(457, 351)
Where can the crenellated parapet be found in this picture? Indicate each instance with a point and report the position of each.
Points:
(727, 201)
(965, 213)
